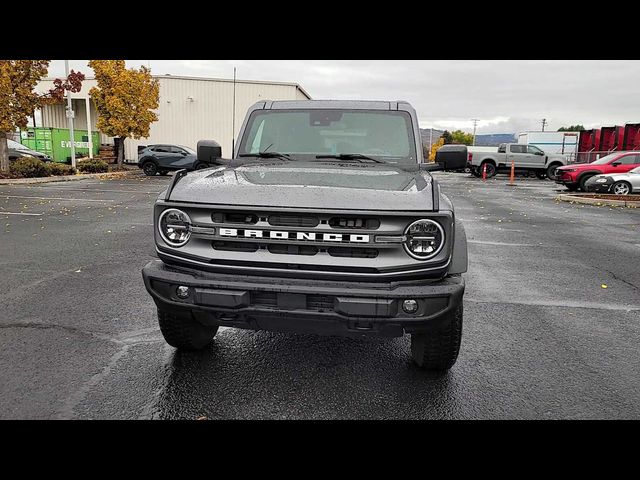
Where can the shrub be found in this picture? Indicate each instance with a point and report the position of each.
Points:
(60, 169)
(93, 166)
(29, 167)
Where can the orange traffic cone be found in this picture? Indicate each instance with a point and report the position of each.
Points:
(512, 177)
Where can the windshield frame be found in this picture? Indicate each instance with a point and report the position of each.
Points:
(412, 157)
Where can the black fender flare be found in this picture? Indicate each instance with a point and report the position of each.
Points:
(459, 254)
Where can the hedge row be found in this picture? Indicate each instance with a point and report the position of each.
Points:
(29, 167)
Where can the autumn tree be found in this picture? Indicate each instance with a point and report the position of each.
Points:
(446, 135)
(125, 100)
(458, 136)
(18, 78)
(571, 128)
(434, 148)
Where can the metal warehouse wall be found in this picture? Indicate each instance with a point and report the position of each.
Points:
(190, 109)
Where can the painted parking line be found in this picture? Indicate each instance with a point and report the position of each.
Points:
(21, 213)
(502, 244)
(55, 198)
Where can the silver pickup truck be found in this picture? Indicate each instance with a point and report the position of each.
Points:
(524, 157)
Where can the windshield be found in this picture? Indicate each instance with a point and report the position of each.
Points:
(604, 160)
(303, 134)
(15, 145)
(635, 170)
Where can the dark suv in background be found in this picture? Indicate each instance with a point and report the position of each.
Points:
(160, 159)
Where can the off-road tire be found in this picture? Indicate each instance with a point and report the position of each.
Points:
(150, 168)
(438, 350)
(184, 333)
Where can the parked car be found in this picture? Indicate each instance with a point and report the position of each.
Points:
(154, 159)
(617, 183)
(575, 176)
(17, 150)
(525, 157)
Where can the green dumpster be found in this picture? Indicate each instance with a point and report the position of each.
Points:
(55, 142)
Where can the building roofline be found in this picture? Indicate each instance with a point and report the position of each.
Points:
(212, 79)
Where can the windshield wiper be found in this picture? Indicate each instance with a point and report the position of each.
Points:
(350, 156)
(284, 156)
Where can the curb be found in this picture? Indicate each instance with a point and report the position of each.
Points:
(597, 201)
(63, 178)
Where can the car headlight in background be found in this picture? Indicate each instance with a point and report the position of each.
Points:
(175, 227)
(568, 170)
(425, 239)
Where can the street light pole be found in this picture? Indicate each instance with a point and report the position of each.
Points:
(70, 116)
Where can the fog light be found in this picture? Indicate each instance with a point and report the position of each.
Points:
(410, 306)
(182, 291)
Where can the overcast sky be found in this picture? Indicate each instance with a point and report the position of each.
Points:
(507, 96)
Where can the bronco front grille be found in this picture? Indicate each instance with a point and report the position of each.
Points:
(314, 303)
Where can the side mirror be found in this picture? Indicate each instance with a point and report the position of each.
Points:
(209, 151)
(615, 164)
(539, 153)
(430, 167)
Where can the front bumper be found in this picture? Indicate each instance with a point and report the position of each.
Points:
(303, 305)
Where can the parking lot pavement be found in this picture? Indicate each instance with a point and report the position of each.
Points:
(542, 337)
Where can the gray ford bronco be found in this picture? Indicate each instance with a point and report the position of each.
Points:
(323, 221)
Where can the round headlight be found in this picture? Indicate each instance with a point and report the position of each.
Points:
(175, 227)
(425, 239)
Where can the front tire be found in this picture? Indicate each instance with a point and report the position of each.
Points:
(583, 182)
(201, 166)
(184, 333)
(438, 350)
(551, 171)
(491, 169)
(150, 168)
(621, 188)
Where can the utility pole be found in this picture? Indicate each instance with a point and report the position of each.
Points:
(475, 122)
(544, 123)
(233, 116)
(70, 116)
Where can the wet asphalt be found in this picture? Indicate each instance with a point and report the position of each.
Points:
(542, 338)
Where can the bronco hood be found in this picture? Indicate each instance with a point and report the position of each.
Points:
(317, 184)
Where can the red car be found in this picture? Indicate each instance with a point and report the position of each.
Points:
(575, 176)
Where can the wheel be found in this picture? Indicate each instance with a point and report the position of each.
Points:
(475, 172)
(551, 171)
(150, 168)
(621, 188)
(163, 172)
(491, 169)
(583, 181)
(541, 175)
(438, 350)
(184, 333)
(201, 165)
(571, 188)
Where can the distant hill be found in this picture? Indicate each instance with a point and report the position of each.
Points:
(495, 139)
(491, 140)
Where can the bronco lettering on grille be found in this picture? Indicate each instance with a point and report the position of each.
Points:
(284, 235)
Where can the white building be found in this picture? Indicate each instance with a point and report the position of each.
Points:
(190, 109)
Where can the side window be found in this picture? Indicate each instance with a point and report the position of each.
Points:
(175, 150)
(533, 150)
(160, 149)
(502, 149)
(518, 149)
(629, 159)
